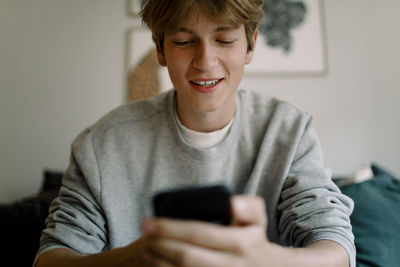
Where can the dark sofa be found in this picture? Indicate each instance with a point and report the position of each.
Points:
(375, 220)
(22, 222)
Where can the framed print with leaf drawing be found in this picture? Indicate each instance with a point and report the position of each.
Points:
(291, 39)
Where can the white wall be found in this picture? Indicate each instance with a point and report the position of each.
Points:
(356, 106)
(62, 67)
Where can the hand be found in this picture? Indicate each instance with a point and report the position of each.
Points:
(168, 243)
(192, 243)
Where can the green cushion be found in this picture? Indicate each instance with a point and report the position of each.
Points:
(376, 219)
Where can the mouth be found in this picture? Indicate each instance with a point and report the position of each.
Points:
(206, 85)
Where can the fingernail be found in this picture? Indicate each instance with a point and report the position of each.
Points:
(240, 204)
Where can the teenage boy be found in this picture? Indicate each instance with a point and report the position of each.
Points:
(287, 211)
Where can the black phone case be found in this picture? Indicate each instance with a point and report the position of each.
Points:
(207, 203)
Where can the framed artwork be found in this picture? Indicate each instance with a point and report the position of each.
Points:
(145, 77)
(291, 39)
(134, 7)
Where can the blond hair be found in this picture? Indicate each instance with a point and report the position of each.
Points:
(163, 15)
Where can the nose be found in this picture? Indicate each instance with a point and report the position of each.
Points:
(205, 57)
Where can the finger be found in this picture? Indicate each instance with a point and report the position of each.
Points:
(140, 255)
(156, 259)
(248, 210)
(178, 253)
(207, 235)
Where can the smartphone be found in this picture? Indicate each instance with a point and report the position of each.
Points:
(205, 203)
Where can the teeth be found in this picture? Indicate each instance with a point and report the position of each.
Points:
(205, 83)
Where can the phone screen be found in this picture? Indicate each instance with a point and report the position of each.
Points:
(206, 203)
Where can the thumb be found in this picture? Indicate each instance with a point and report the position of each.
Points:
(248, 210)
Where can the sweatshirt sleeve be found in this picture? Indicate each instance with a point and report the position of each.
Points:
(311, 206)
(76, 220)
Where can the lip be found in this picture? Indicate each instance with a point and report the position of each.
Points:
(203, 89)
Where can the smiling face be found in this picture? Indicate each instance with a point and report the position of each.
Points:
(205, 62)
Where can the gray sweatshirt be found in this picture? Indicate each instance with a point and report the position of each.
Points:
(137, 149)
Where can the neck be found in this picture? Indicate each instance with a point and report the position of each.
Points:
(206, 121)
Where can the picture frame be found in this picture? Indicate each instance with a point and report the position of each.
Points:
(144, 76)
(134, 7)
(308, 54)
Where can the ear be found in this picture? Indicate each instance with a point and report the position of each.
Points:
(161, 57)
(250, 53)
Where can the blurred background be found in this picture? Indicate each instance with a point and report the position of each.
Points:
(62, 66)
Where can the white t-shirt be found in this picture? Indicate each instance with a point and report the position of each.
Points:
(201, 139)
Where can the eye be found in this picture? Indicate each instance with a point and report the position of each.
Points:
(183, 43)
(226, 42)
